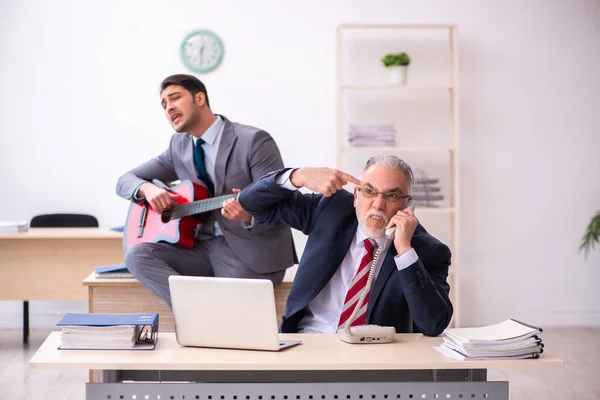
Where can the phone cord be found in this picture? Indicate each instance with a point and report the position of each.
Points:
(365, 290)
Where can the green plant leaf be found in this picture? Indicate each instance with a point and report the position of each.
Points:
(395, 59)
(592, 235)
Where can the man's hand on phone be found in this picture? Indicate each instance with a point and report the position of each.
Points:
(406, 223)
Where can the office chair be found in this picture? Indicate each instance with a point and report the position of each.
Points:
(55, 221)
(64, 221)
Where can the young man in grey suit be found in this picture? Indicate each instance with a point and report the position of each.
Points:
(224, 156)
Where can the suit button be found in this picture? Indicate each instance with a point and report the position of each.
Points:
(422, 286)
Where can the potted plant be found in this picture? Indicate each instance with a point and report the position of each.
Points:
(592, 235)
(397, 64)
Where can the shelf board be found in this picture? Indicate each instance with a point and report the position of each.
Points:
(417, 149)
(397, 26)
(390, 86)
(431, 210)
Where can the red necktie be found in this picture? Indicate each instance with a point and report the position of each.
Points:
(356, 287)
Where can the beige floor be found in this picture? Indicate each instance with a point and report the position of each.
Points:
(579, 347)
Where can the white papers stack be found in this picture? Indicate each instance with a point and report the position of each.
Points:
(99, 337)
(507, 340)
(13, 227)
(372, 135)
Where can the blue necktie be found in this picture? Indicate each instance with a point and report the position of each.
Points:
(201, 167)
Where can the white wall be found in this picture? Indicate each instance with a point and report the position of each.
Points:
(80, 105)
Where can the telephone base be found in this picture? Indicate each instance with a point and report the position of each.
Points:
(366, 334)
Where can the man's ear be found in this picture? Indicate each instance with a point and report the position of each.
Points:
(355, 196)
(200, 99)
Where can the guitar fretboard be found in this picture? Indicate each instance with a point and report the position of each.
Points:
(200, 206)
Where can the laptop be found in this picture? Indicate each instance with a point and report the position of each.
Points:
(232, 313)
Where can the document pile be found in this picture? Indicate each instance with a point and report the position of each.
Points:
(13, 227)
(507, 340)
(118, 271)
(372, 135)
(108, 331)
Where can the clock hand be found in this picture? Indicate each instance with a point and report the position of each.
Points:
(201, 54)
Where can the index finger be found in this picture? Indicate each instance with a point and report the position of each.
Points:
(409, 211)
(349, 178)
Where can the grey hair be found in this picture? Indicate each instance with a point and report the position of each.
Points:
(394, 162)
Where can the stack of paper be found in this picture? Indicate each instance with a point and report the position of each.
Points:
(13, 227)
(510, 339)
(372, 135)
(113, 272)
(98, 337)
(108, 331)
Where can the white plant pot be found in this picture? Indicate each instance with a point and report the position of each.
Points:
(398, 74)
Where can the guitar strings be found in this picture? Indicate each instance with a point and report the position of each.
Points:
(195, 207)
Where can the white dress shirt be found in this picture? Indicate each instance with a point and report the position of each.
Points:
(324, 310)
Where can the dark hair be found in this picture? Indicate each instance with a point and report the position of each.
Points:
(188, 82)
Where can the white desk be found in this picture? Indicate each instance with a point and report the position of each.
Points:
(321, 366)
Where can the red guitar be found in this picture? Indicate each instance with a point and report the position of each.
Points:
(175, 225)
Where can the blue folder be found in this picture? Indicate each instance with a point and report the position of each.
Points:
(111, 269)
(147, 323)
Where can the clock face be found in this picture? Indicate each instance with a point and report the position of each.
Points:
(202, 51)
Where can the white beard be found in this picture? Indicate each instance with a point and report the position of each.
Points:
(372, 233)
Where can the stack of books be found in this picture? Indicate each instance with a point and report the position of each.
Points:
(507, 340)
(13, 227)
(108, 331)
(372, 135)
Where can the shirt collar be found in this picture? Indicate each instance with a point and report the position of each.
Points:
(212, 132)
(361, 236)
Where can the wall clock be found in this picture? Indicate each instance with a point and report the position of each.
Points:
(201, 51)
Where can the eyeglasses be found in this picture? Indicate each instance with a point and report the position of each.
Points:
(392, 197)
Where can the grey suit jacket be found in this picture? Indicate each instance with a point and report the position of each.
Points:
(244, 155)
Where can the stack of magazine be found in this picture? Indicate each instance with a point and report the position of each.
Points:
(108, 331)
(13, 226)
(372, 135)
(507, 340)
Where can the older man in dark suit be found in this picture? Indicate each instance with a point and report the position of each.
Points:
(344, 229)
(224, 156)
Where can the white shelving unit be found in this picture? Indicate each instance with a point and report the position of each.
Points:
(414, 39)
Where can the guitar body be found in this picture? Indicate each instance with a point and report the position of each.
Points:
(179, 231)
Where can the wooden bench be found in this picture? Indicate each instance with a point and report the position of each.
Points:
(130, 296)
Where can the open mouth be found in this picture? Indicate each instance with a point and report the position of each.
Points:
(377, 219)
(175, 118)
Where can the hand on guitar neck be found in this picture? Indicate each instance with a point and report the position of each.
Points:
(233, 211)
(159, 198)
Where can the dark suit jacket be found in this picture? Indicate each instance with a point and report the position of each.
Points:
(418, 293)
(244, 155)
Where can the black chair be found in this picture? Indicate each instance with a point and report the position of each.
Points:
(64, 221)
(55, 221)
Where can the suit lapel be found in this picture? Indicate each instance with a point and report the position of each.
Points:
(343, 241)
(331, 261)
(386, 269)
(227, 140)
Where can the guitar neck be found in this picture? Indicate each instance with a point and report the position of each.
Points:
(200, 206)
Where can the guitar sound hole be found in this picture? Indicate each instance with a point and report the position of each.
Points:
(166, 216)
